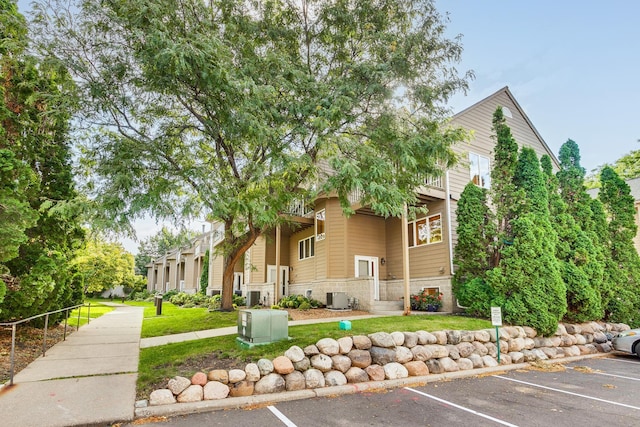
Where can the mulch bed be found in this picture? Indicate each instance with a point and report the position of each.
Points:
(28, 346)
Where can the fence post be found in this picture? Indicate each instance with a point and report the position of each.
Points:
(79, 310)
(66, 316)
(13, 351)
(89, 313)
(44, 340)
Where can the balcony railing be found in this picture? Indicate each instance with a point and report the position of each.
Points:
(434, 181)
(299, 207)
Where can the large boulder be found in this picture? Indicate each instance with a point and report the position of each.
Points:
(252, 372)
(295, 354)
(356, 375)
(321, 362)
(360, 358)
(161, 397)
(416, 368)
(341, 362)
(361, 342)
(271, 383)
(237, 375)
(241, 389)
(328, 346)
(265, 366)
(314, 378)
(215, 390)
(403, 355)
(394, 371)
(282, 365)
(375, 372)
(334, 378)
(193, 393)
(382, 339)
(178, 384)
(221, 375)
(382, 356)
(199, 378)
(345, 344)
(295, 381)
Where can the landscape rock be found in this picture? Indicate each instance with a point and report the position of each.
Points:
(295, 354)
(465, 349)
(441, 337)
(328, 346)
(271, 383)
(452, 350)
(375, 372)
(341, 363)
(252, 372)
(425, 337)
(437, 351)
(295, 381)
(421, 353)
(382, 356)
(482, 336)
(215, 390)
(220, 375)
(243, 388)
(199, 378)
(265, 366)
(321, 362)
(489, 362)
(394, 371)
(403, 355)
(434, 366)
(356, 375)
(302, 365)
(311, 350)
(416, 368)
(237, 375)
(178, 384)
(360, 358)
(334, 378)
(449, 365)
(345, 344)
(476, 360)
(398, 338)
(464, 364)
(314, 378)
(361, 342)
(382, 340)
(193, 393)
(454, 337)
(410, 339)
(282, 365)
(161, 397)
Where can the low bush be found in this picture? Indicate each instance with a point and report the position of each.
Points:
(295, 301)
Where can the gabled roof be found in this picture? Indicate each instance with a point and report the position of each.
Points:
(506, 91)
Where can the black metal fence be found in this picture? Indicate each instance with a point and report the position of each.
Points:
(13, 325)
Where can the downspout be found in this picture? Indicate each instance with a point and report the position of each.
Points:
(450, 233)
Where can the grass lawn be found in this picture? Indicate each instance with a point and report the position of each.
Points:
(97, 309)
(176, 320)
(158, 364)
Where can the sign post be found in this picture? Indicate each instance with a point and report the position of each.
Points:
(496, 320)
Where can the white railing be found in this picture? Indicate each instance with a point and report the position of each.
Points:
(299, 207)
(434, 181)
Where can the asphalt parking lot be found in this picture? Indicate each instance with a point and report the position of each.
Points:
(589, 392)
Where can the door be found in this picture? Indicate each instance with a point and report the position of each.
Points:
(237, 282)
(284, 278)
(367, 266)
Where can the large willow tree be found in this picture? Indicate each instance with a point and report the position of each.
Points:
(226, 108)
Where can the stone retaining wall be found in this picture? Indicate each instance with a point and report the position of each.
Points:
(383, 356)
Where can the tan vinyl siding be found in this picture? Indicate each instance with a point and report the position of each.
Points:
(258, 261)
(335, 243)
(216, 270)
(302, 270)
(365, 237)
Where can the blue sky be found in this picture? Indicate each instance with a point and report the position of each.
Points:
(572, 65)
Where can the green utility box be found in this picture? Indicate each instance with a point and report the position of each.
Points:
(262, 326)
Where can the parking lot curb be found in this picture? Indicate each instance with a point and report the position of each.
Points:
(259, 400)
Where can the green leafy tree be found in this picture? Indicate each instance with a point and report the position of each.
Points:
(527, 281)
(627, 167)
(103, 265)
(580, 266)
(473, 252)
(158, 244)
(504, 194)
(229, 108)
(204, 277)
(624, 267)
(37, 100)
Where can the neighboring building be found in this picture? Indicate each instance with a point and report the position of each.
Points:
(362, 255)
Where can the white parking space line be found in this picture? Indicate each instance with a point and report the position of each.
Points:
(567, 392)
(286, 421)
(446, 402)
(608, 375)
(611, 359)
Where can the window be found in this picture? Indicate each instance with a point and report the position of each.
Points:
(320, 225)
(306, 248)
(425, 231)
(435, 290)
(479, 170)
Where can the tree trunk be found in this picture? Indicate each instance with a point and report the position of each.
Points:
(230, 261)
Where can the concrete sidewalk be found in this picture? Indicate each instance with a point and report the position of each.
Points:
(89, 379)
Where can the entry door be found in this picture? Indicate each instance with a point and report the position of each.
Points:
(237, 281)
(284, 278)
(367, 266)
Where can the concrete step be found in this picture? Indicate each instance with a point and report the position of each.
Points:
(386, 307)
